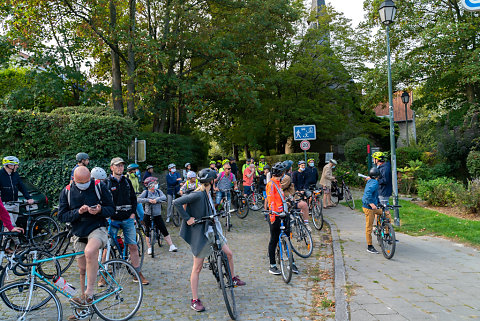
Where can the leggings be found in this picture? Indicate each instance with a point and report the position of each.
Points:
(159, 223)
(274, 234)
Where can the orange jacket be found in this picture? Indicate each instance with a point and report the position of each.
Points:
(274, 200)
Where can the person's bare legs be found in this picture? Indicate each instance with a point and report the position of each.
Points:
(229, 254)
(168, 239)
(194, 277)
(81, 262)
(91, 258)
(303, 206)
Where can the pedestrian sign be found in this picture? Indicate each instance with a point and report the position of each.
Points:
(304, 132)
(471, 5)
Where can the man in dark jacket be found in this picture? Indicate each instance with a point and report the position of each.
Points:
(311, 173)
(86, 205)
(125, 201)
(385, 178)
(299, 178)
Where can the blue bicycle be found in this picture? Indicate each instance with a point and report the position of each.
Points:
(283, 254)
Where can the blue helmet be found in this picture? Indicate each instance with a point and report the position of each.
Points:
(132, 166)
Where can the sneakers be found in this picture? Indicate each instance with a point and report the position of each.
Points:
(294, 268)
(142, 278)
(173, 248)
(237, 282)
(371, 249)
(149, 251)
(197, 305)
(308, 227)
(274, 270)
(168, 220)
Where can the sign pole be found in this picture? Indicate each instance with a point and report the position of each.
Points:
(136, 150)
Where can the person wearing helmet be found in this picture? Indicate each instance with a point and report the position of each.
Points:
(326, 182)
(82, 160)
(299, 180)
(148, 173)
(213, 165)
(311, 173)
(385, 188)
(225, 161)
(186, 170)
(288, 167)
(277, 204)
(152, 197)
(173, 188)
(98, 174)
(10, 184)
(190, 185)
(261, 164)
(133, 174)
(263, 180)
(199, 204)
(370, 202)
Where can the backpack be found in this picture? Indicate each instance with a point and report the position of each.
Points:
(230, 177)
(98, 190)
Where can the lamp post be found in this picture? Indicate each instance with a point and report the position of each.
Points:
(387, 13)
(405, 99)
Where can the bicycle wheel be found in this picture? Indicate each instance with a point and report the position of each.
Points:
(228, 217)
(301, 239)
(44, 228)
(284, 258)
(255, 202)
(61, 246)
(175, 217)
(317, 213)
(349, 198)
(121, 297)
(334, 192)
(388, 240)
(44, 304)
(226, 284)
(141, 247)
(159, 238)
(243, 208)
(153, 237)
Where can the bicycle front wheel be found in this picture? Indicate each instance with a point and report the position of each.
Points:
(388, 240)
(175, 217)
(44, 228)
(349, 198)
(226, 284)
(120, 298)
(255, 202)
(153, 237)
(285, 258)
(243, 208)
(317, 214)
(43, 305)
(301, 239)
(334, 195)
(140, 246)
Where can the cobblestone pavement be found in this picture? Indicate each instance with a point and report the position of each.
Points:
(427, 279)
(265, 297)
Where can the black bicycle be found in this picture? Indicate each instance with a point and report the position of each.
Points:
(240, 203)
(341, 191)
(218, 263)
(315, 206)
(226, 208)
(300, 236)
(385, 232)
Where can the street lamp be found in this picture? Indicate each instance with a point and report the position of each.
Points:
(405, 99)
(387, 13)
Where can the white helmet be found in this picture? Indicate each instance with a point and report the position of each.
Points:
(98, 173)
(10, 160)
(191, 174)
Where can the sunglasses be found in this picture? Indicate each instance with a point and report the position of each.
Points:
(227, 168)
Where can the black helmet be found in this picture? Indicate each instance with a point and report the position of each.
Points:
(206, 175)
(373, 172)
(81, 156)
(278, 169)
(266, 167)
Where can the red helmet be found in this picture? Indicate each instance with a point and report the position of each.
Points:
(150, 180)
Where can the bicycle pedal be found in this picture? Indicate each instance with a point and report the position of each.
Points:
(206, 265)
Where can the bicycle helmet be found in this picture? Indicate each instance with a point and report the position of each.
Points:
(150, 180)
(131, 166)
(191, 174)
(171, 166)
(186, 164)
(225, 161)
(262, 156)
(373, 172)
(380, 156)
(301, 162)
(333, 161)
(310, 160)
(206, 175)
(266, 167)
(98, 173)
(81, 156)
(212, 162)
(278, 169)
(287, 164)
(10, 160)
(149, 166)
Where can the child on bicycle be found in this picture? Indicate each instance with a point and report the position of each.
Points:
(152, 197)
(370, 201)
(200, 204)
(277, 204)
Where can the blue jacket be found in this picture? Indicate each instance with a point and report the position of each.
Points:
(172, 184)
(370, 195)
(10, 185)
(385, 180)
(312, 176)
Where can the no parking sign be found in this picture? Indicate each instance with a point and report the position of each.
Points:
(305, 145)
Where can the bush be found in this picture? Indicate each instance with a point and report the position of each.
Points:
(407, 154)
(470, 200)
(473, 163)
(351, 179)
(356, 150)
(441, 191)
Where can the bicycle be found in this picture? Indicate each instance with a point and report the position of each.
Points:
(283, 253)
(339, 192)
(226, 209)
(241, 204)
(119, 299)
(385, 232)
(219, 265)
(120, 249)
(300, 236)
(175, 215)
(37, 229)
(316, 207)
(154, 236)
(255, 200)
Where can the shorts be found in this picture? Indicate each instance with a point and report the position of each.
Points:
(208, 249)
(129, 230)
(327, 190)
(220, 195)
(247, 190)
(100, 234)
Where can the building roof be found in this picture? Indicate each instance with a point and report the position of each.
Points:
(398, 108)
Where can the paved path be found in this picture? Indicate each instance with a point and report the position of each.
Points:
(427, 279)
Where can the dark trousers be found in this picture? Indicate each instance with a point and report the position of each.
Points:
(158, 221)
(274, 234)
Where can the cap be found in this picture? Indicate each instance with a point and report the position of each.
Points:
(116, 161)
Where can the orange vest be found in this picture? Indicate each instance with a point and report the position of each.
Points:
(274, 200)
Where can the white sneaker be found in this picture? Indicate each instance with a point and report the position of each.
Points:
(173, 248)
(149, 251)
(168, 220)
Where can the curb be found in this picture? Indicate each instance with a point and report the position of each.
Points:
(341, 305)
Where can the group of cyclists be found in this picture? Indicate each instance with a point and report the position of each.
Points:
(96, 204)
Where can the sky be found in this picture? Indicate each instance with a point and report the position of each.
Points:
(352, 9)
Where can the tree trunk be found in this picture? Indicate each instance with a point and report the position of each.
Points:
(156, 123)
(131, 60)
(470, 92)
(162, 122)
(289, 149)
(116, 72)
(235, 152)
(247, 151)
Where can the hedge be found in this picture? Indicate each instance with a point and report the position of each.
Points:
(356, 150)
(473, 163)
(408, 153)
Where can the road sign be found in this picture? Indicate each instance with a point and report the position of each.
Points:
(138, 151)
(471, 5)
(328, 157)
(305, 145)
(304, 132)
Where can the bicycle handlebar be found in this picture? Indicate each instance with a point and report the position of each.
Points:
(389, 206)
(205, 219)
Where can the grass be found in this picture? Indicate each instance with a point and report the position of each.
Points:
(416, 220)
